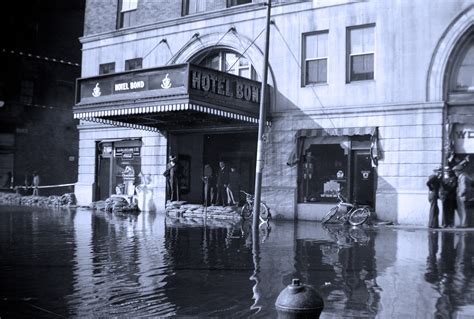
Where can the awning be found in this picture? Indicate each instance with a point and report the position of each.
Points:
(176, 97)
(162, 117)
(303, 134)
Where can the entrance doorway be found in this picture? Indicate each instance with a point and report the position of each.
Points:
(235, 149)
(363, 181)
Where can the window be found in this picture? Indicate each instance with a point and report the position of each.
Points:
(107, 68)
(27, 91)
(360, 58)
(315, 58)
(133, 64)
(194, 6)
(463, 79)
(232, 3)
(127, 13)
(228, 61)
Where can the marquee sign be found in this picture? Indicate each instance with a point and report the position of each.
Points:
(215, 92)
(113, 84)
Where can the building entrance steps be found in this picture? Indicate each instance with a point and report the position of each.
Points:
(183, 209)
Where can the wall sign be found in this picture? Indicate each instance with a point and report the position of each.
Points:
(463, 137)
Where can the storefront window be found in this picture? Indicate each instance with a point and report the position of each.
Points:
(336, 164)
(324, 173)
(118, 168)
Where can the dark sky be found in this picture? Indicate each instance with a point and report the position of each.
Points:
(44, 27)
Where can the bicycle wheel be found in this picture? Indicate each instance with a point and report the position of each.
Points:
(246, 211)
(359, 216)
(329, 215)
(264, 212)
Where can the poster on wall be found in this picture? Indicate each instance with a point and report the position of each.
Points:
(463, 137)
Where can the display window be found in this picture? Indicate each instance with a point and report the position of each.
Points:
(335, 165)
(118, 167)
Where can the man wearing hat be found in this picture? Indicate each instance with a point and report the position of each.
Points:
(447, 194)
(171, 174)
(463, 183)
(433, 184)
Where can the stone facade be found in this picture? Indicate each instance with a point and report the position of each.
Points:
(413, 43)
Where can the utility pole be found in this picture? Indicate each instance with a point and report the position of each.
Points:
(261, 130)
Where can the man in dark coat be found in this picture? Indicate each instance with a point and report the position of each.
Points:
(171, 174)
(221, 185)
(433, 184)
(447, 194)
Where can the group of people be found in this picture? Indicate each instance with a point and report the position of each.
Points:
(223, 186)
(451, 187)
(220, 187)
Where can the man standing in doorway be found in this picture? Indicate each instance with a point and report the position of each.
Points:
(171, 174)
(222, 182)
(447, 194)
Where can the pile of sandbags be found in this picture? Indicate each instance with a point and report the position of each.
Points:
(182, 209)
(10, 199)
(119, 204)
(65, 200)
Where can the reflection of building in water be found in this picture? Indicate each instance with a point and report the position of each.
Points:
(116, 265)
(348, 264)
(451, 274)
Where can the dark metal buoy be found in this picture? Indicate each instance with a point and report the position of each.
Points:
(298, 301)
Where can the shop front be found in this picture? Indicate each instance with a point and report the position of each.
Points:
(205, 116)
(335, 161)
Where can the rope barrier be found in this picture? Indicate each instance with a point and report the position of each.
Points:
(46, 186)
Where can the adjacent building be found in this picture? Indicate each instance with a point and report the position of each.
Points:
(365, 98)
(39, 62)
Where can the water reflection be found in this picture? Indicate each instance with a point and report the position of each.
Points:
(91, 264)
(450, 273)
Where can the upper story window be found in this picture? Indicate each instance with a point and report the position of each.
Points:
(315, 48)
(107, 68)
(227, 61)
(127, 13)
(193, 6)
(462, 79)
(133, 64)
(232, 3)
(361, 51)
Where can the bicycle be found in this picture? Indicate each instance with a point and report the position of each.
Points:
(355, 214)
(247, 209)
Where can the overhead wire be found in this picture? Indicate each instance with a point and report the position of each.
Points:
(299, 66)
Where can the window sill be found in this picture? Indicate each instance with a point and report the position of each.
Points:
(360, 82)
(314, 85)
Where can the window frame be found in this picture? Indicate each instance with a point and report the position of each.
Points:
(304, 36)
(127, 67)
(349, 55)
(185, 8)
(221, 52)
(230, 5)
(106, 65)
(126, 15)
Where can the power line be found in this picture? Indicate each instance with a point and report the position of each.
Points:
(299, 66)
(241, 55)
(39, 57)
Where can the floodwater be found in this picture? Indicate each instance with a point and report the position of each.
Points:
(79, 263)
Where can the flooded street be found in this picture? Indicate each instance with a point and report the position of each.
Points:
(79, 263)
